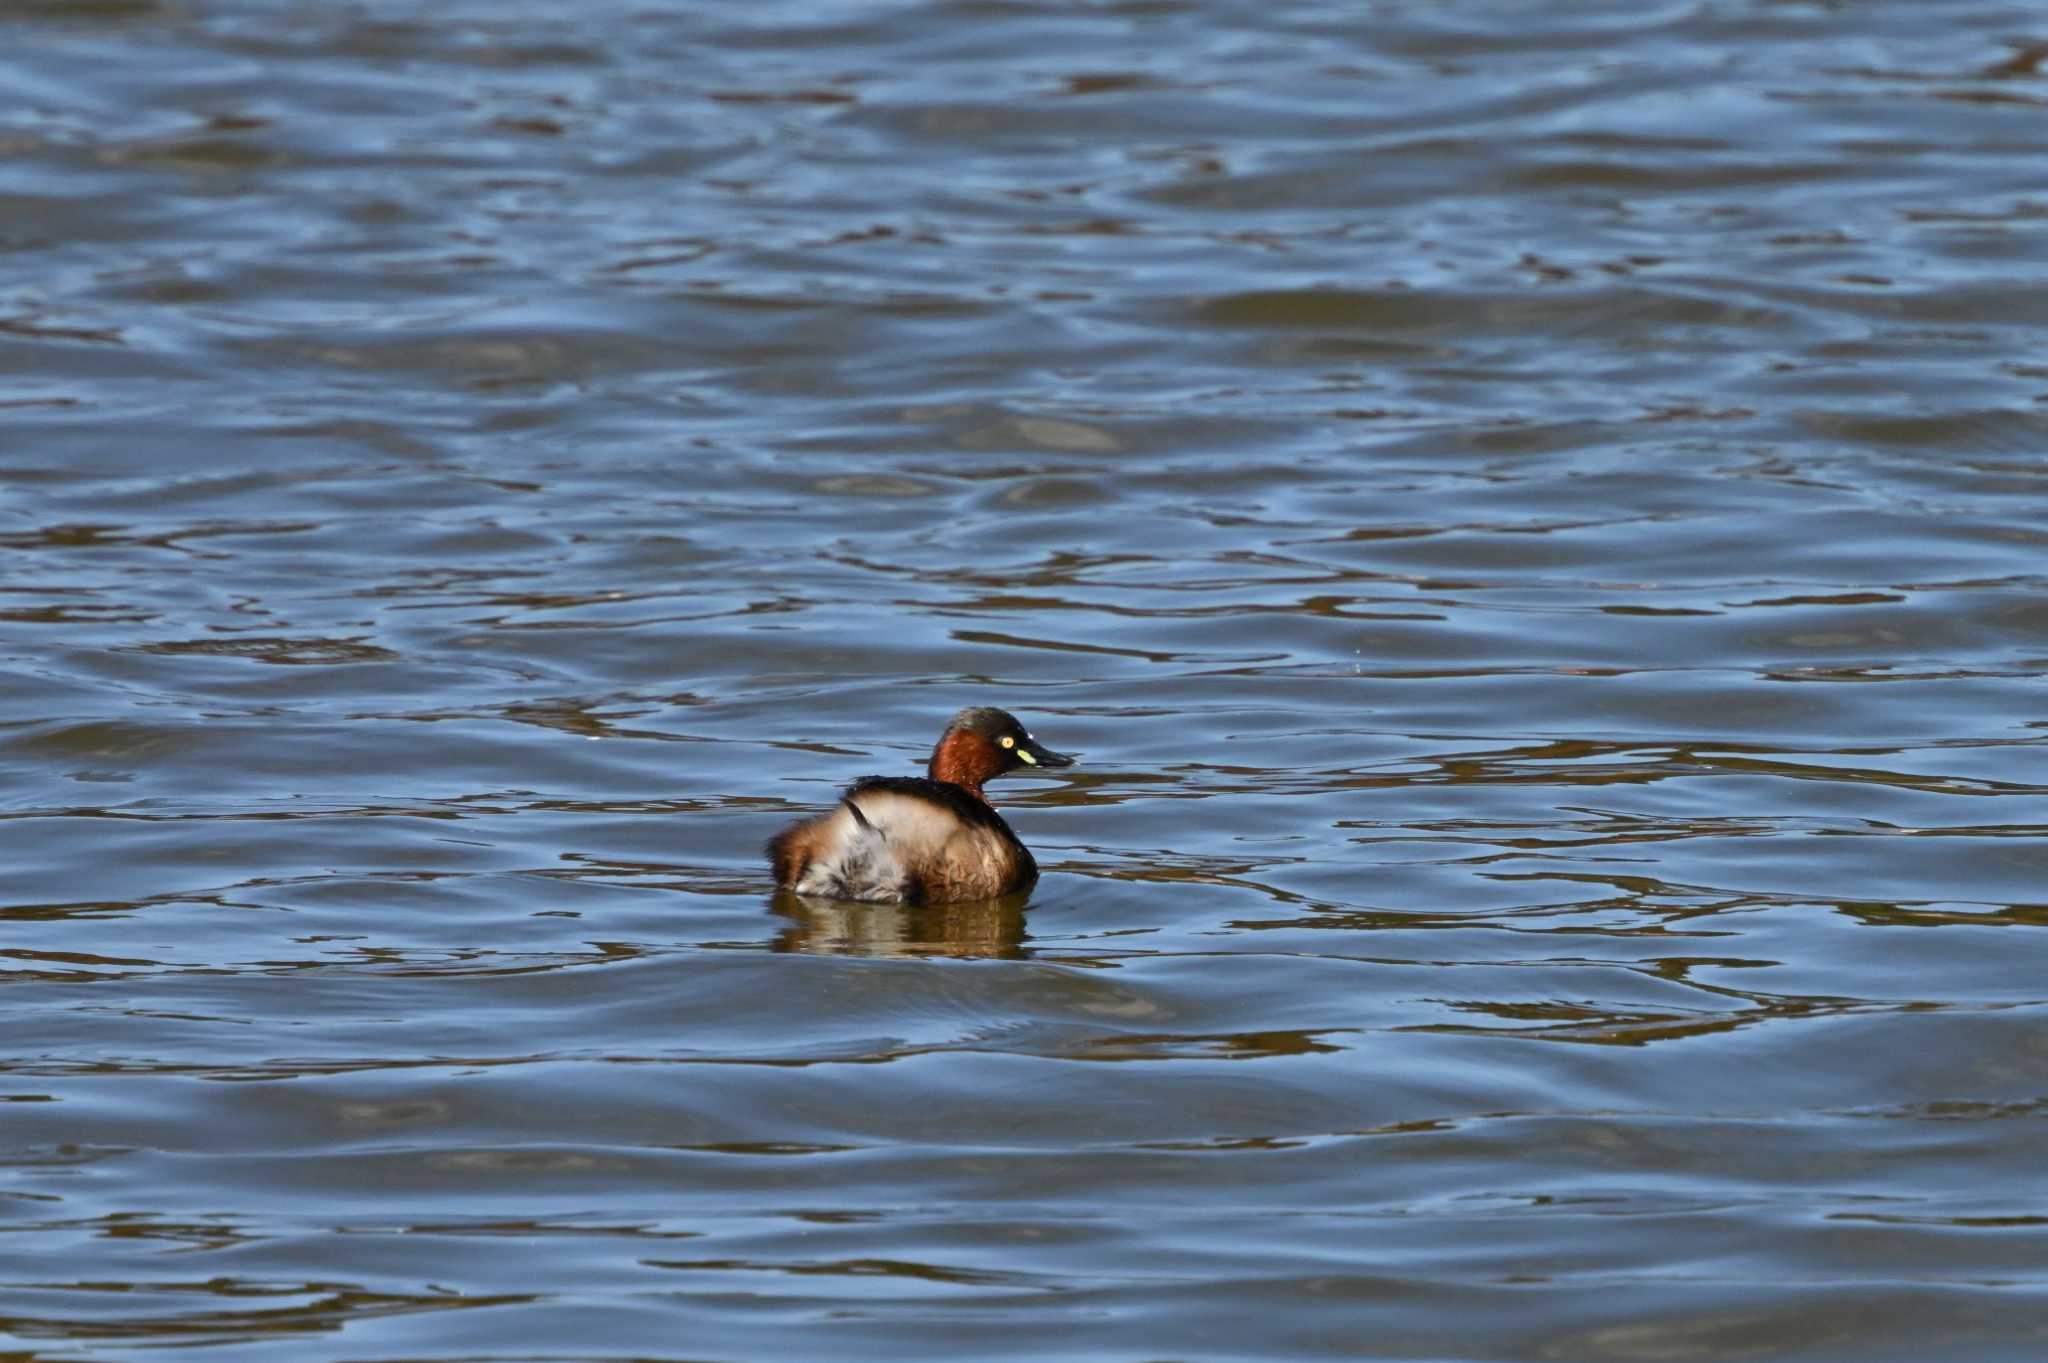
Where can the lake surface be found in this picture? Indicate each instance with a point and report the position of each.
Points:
(1534, 518)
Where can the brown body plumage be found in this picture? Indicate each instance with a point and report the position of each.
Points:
(929, 840)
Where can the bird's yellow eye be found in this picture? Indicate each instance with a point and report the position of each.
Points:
(1008, 741)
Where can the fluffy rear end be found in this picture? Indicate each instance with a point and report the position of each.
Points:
(893, 846)
(842, 856)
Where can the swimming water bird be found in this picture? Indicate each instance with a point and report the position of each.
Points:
(921, 840)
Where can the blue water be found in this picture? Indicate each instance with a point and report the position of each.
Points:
(1531, 516)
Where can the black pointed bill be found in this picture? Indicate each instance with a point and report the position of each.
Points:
(1036, 754)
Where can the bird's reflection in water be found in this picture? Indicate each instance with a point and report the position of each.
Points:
(990, 929)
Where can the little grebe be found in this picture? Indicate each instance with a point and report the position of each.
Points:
(921, 840)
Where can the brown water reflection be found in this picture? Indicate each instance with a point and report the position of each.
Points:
(987, 930)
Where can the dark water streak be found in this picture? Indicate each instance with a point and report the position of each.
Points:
(1533, 517)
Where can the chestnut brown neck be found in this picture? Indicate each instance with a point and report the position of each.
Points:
(966, 760)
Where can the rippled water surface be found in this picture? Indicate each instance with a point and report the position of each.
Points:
(1532, 516)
